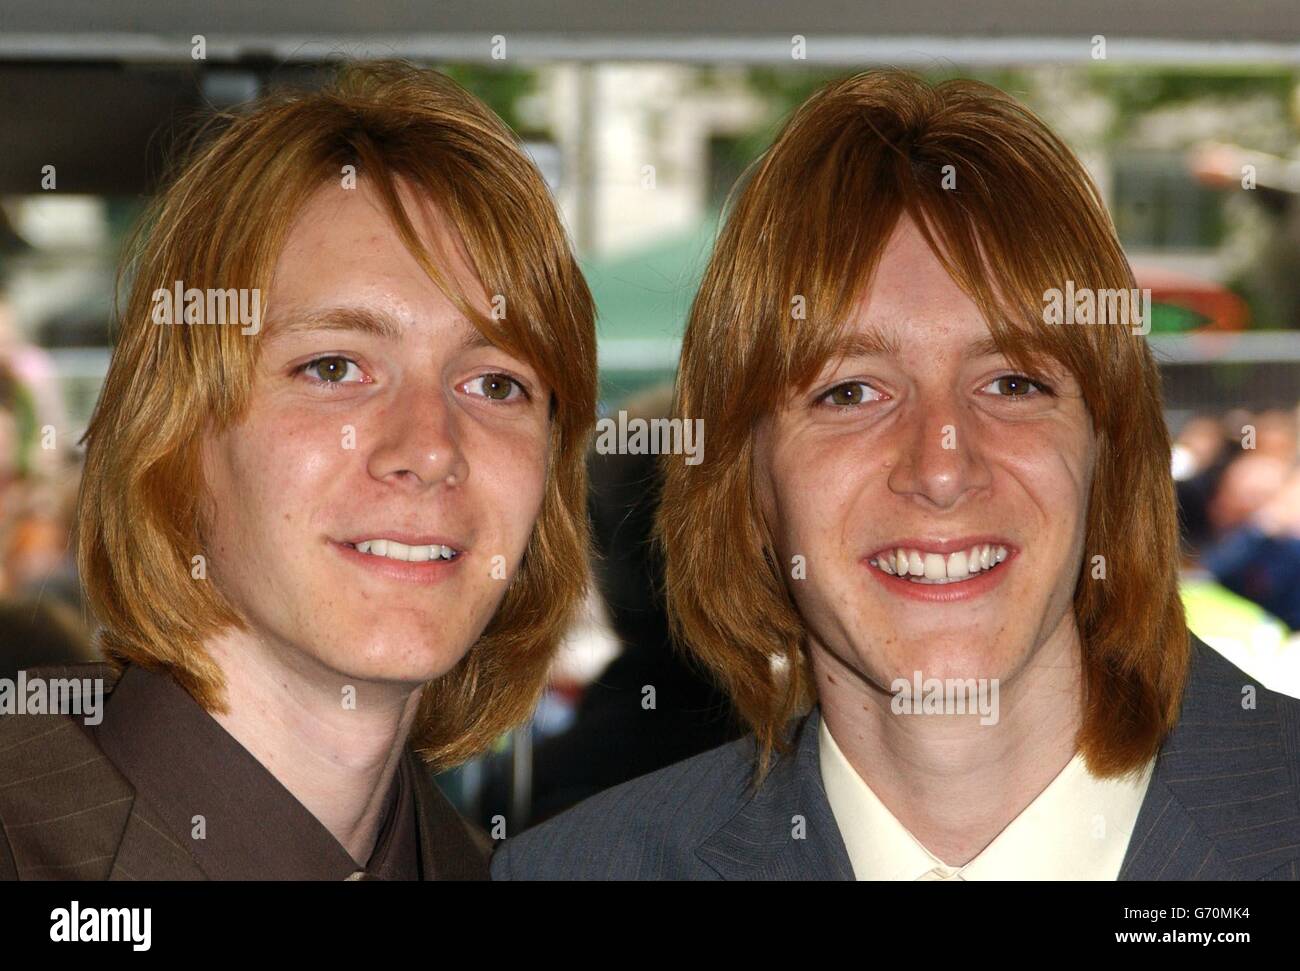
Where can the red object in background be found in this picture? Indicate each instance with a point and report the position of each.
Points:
(1222, 309)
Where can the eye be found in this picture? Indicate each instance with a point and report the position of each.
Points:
(1016, 386)
(332, 370)
(496, 387)
(849, 394)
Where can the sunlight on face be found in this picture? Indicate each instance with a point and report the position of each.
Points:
(923, 452)
(372, 503)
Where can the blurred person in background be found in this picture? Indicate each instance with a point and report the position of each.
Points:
(1238, 628)
(39, 594)
(1256, 514)
(35, 369)
(620, 731)
(39, 472)
(1201, 445)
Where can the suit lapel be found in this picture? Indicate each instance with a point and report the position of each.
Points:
(785, 830)
(1167, 845)
(74, 817)
(1222, 803)
(65, 806)
(149, 852)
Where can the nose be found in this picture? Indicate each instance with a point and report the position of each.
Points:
(419, 441)
(938, 458)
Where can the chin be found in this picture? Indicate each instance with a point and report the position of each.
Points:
(412, 657)
(946, 655)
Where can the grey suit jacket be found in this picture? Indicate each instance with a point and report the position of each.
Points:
(1223, 804)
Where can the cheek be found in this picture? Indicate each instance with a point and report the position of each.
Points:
(813, 485)
(269, 472)
(511, 476)
(1055, 472)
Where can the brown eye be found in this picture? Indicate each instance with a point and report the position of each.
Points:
(497, 386)
(1014, 385)
(330, 369)
(844, 395)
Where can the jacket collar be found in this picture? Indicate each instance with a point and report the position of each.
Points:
(785, 830)
(1223, 803)
(448, 850)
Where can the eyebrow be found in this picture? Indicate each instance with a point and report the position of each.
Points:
(363, 319)
(377, 323)
(873, 342)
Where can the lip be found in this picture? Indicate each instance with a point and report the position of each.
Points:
(943, 592)
(427, 573)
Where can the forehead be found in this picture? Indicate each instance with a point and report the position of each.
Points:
(352, 231)
(343, 249)
(911, 299)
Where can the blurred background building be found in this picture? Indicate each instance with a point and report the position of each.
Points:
(642, 118)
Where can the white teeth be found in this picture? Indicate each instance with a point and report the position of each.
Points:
(935, 566)
(957, 566)
(938, 568)
(393, 550)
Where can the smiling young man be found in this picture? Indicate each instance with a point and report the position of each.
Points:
(949, 538)
(331, 541)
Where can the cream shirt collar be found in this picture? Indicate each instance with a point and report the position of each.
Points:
(1078, 828)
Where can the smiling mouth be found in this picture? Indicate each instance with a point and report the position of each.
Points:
(391, 549)
(922, 567)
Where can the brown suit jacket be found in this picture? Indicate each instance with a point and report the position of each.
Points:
(66, 813)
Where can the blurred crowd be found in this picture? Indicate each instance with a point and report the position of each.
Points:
(41, 617)
(1237, 476)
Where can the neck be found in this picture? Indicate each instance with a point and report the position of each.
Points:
(953, 782)
(333, 741)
